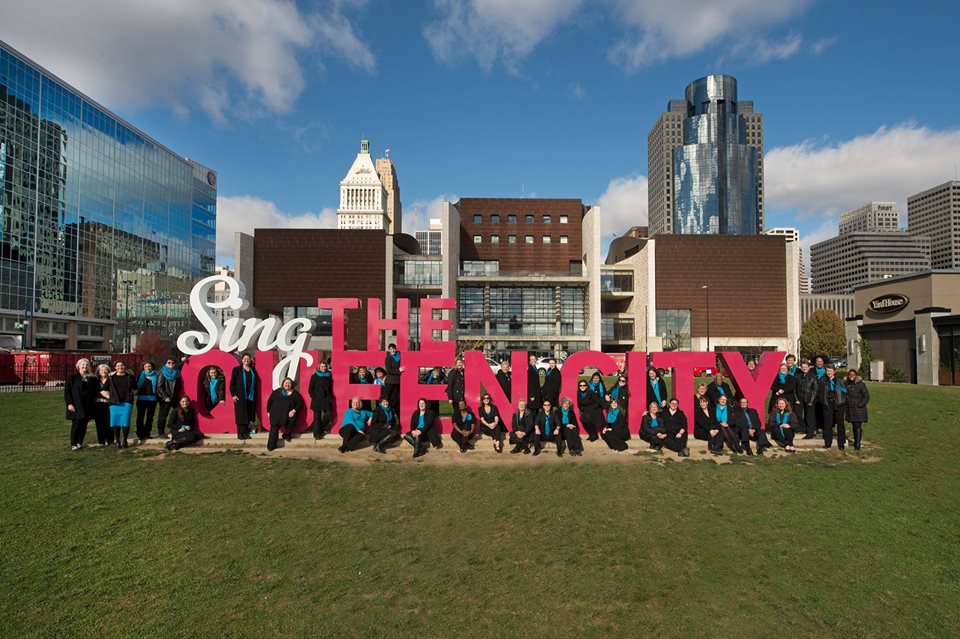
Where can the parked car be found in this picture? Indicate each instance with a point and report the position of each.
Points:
(494, 364)
(705, 372)
(544, 363)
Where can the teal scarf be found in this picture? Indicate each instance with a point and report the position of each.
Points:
(612, 415)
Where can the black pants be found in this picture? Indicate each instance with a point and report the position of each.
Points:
(591, 428)
(524, 441)
(392, 393)
(758, 436)
(556, 437)
(274, 435)
(430, 434)
(495, 433)
(674, 443)
(101, 419)
(615, 441)
(833, 417)
(857, 434)
(714, 442)
(163, 416)
(352, 438)
(461, 440)
(571, 435)
(78, 430)
(731, 438)
(120, 433)
(321, 422)
(799, 410)
(145, 411)
(382, 435)
(783, 436)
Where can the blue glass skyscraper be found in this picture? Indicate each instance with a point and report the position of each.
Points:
(103, 230)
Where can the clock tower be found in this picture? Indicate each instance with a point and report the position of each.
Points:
(363, 200)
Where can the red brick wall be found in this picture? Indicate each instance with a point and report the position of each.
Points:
(747, 276)
(294, 267)
(537, 257)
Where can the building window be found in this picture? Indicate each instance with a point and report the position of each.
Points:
(563, 219)
(470, 308)
(494, 219)
(511, 239)
(616, 282)
(480, 267)
(494, 239)
(547, 219)
(564, 239)
(511, 219)
(576, 267)
(673, 326)
(546, 239)
(616, 329)
(477, 239)
(528, 219)
(528, 239)
(477, 219)
(322, 319)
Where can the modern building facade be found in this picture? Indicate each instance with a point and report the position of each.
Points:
(363, 198)
(793, 235)
(870, 246)
(842, 305)
(103, 230)
(430, 240)
(935, 213)
(705, 163)
(391, 186)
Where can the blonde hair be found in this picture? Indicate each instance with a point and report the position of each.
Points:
(84, 360)
(103, 367)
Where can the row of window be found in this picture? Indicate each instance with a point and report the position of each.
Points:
(527, 239)
(527, 219)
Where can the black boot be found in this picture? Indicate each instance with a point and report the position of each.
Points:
(857, 436)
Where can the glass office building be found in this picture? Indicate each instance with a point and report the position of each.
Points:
(715, 170)
(103, 230)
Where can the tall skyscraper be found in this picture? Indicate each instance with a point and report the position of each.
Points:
(705, 163)
(388, 178)
(935, 213)
(103, 230)
(793, 235)
(363, 200)
(870, 246)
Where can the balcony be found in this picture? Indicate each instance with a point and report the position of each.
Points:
(617, 330)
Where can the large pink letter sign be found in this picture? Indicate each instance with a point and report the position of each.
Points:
(478, 372)
(755, 389)
(573, 367)
(343, 388)
(682, 365)
(411, 390)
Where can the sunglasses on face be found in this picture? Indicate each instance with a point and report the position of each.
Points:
(622, 381)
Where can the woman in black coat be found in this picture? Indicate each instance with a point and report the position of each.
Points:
(184, 429)
(857, 398)
(590, 406)
(782, 424)
(213, 389)
(78, 397)
(422, 428)
(122, 391)
(619, 392)
(785, 386)
(490, 423)
(656, 388)
(505, 379)
(615, 431)
(100, 410)
(569, 427)
(384, 426)
(455, 388)
(243, 392)
(320, 391)
(705, 428)
(282, 408)
(464, 425)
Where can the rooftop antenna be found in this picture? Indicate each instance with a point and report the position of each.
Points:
(523, 191)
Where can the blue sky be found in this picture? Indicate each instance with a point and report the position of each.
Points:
(503, 98)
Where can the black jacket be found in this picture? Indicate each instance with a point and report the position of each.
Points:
(619, 425)
(652, 397)
(740, 418)
(674, 423)
(210, 401)
(534, 393)
(704, 423)
(392, 368)
(379, 419)
(789, 388)
(428, 418)
(623, 397)
(773, 426)
(320, 391)
(647, 427)
(280, 405)
(455, 385)
(541, 421)
(590, 406)
(492, 417)
(521, 423)
(167, 389)
(571, 418)
(807, 386)
(857, 398)
(552, 381)
(78, 390)
(240, 415)
(505, 380)
(466, 422)
(713, 393)
(122, 388)
(839, 393)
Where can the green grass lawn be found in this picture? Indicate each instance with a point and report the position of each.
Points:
(107, 543)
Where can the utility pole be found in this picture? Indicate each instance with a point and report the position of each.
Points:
(707, 289)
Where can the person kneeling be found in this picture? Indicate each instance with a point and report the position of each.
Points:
(782, 425)
(546, 428)
(521, 429)
(751, 428)
(186, 432)
(282, 408)
(384, 426)
(615, 431)
(354, 425)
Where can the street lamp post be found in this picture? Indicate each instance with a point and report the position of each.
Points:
(707, 289)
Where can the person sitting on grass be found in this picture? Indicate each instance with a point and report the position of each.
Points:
(464, 423)
(615, 431)
(282, 408)
(705, 427)
(675, 423)
(570, 427)
(652, 425)
(782, 424)
(384, 426)
(591, 410)
(354, 425)
(521, 429)
(423, 429)
(490, 423)
(546, 428)
(185, 430)
(724, 418)
(751, 428)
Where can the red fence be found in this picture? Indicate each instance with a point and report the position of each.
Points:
(39, 370)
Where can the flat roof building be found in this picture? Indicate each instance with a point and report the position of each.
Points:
(935, 213)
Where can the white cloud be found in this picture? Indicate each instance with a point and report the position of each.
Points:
(417, 214)
(622, 205)
(244, 213)
(224, 56)
(664, 29)
(494, 30)
(889, 164)
(578, 91)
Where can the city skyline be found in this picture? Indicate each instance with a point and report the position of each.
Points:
(549, 100)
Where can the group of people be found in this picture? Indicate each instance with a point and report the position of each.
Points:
(805, 399)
